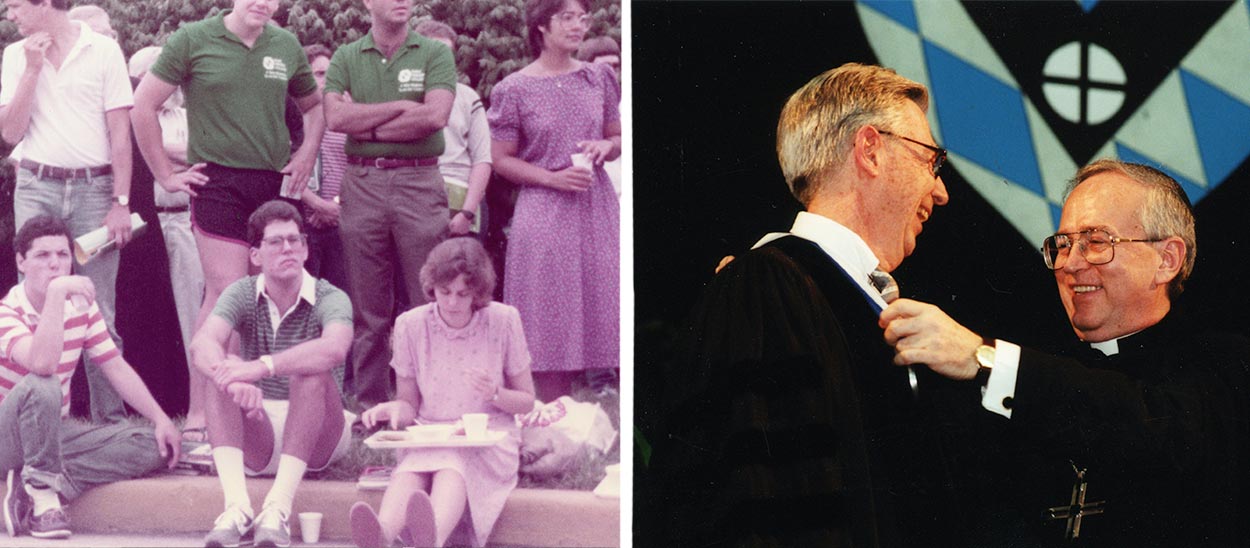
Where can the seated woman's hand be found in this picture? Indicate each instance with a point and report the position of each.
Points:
(396, 413)
(572, 178)
(483, 385)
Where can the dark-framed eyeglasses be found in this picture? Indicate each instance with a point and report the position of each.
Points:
(568, 17)
(1096, 245)
(939, 153)
(296, 241)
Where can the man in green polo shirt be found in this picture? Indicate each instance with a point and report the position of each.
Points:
(394, 207)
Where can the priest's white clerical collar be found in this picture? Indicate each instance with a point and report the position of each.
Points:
(1108, 348)
(1111, 347)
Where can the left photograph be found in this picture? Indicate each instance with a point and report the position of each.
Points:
(311, 272)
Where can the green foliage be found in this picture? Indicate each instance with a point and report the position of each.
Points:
(491, 43)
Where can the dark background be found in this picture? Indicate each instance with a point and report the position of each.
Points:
(710, 79)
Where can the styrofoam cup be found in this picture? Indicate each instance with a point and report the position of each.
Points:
(310, 526)
(474, 425)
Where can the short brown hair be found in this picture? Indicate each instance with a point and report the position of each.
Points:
(1167, 211)
(819, 121)
(37, 227)
(313, 51)
(463, 255)
(433, 28)
(271, 212)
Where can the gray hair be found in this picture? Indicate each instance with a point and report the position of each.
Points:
(1167, 211)
(819, 121)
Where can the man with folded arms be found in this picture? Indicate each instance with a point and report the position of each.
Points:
(47, 322)
(289, 325)
(391, 92)
(66, 96)
(1152, 419)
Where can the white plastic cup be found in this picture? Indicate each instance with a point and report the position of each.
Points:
(310, 526)
(475, 425)
(581, 159)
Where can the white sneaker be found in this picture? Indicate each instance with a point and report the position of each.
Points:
(229, 528)
(273, 528)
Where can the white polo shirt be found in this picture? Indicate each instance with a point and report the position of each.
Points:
(67, 127)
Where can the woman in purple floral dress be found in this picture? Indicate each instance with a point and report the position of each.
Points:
(562, 269)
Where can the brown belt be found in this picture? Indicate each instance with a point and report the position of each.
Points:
(172, 209)
(64, 173)
(392, 163)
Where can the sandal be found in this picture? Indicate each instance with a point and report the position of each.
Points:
(195, 435)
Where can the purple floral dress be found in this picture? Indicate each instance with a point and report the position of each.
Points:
(563, 264)
(437, 355)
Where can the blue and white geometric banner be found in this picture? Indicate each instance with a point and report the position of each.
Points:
(1015, 148)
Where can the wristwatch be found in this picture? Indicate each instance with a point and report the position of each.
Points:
(268, 361)
(122, 200)
(985, 361)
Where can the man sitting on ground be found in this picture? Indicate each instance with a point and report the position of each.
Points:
(46, 323)
(292, 325)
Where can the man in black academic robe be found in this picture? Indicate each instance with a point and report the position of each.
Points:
(1154, 414)
(786, 425)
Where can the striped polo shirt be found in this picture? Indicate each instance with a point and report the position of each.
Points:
(263, 330)
(83, 331)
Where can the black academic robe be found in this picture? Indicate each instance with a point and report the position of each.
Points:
(1160, 428)
(788, 425)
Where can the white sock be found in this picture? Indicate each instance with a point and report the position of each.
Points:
(285, 482)
(44, 498)
(229, 462)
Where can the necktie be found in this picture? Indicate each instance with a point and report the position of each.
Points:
(885, 284)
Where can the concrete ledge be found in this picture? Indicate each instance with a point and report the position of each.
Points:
(188, 504)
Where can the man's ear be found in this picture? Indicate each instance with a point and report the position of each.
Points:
(866, 150)
(255, 255)
(1172, 252)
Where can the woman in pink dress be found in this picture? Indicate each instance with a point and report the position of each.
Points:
(460, 353)
(563, 262)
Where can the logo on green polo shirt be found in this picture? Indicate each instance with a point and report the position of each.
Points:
(411, 80)
(274, 68)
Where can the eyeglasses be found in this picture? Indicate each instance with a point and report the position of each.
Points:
(1096, 245)
(568, 17)
(296, 241)
(939, 157)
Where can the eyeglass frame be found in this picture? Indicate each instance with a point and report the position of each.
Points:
(1112, 241)
(939, 159)
(566, 18)
(296, 241)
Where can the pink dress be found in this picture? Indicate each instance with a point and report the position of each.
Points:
(563, 263)
(436, 355)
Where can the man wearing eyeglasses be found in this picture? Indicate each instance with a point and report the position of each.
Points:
(289, 325)
(786, 427)
(1153, 419)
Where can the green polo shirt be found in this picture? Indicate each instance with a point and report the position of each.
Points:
(236, 96)
(361, 70)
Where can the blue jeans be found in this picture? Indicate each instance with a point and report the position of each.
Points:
(82, 204)
(68, 455)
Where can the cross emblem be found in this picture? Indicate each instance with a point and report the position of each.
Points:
(1077, 508)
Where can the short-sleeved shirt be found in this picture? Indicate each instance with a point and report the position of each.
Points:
(420, 65)
(236, 96)
(467, 136)
(67, 124)
(84, 332)
(246, 307)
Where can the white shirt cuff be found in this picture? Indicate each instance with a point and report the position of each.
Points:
(998, 393)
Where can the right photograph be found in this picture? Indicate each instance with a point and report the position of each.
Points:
(917, 273)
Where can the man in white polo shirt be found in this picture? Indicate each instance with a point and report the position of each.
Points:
(65, 95)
